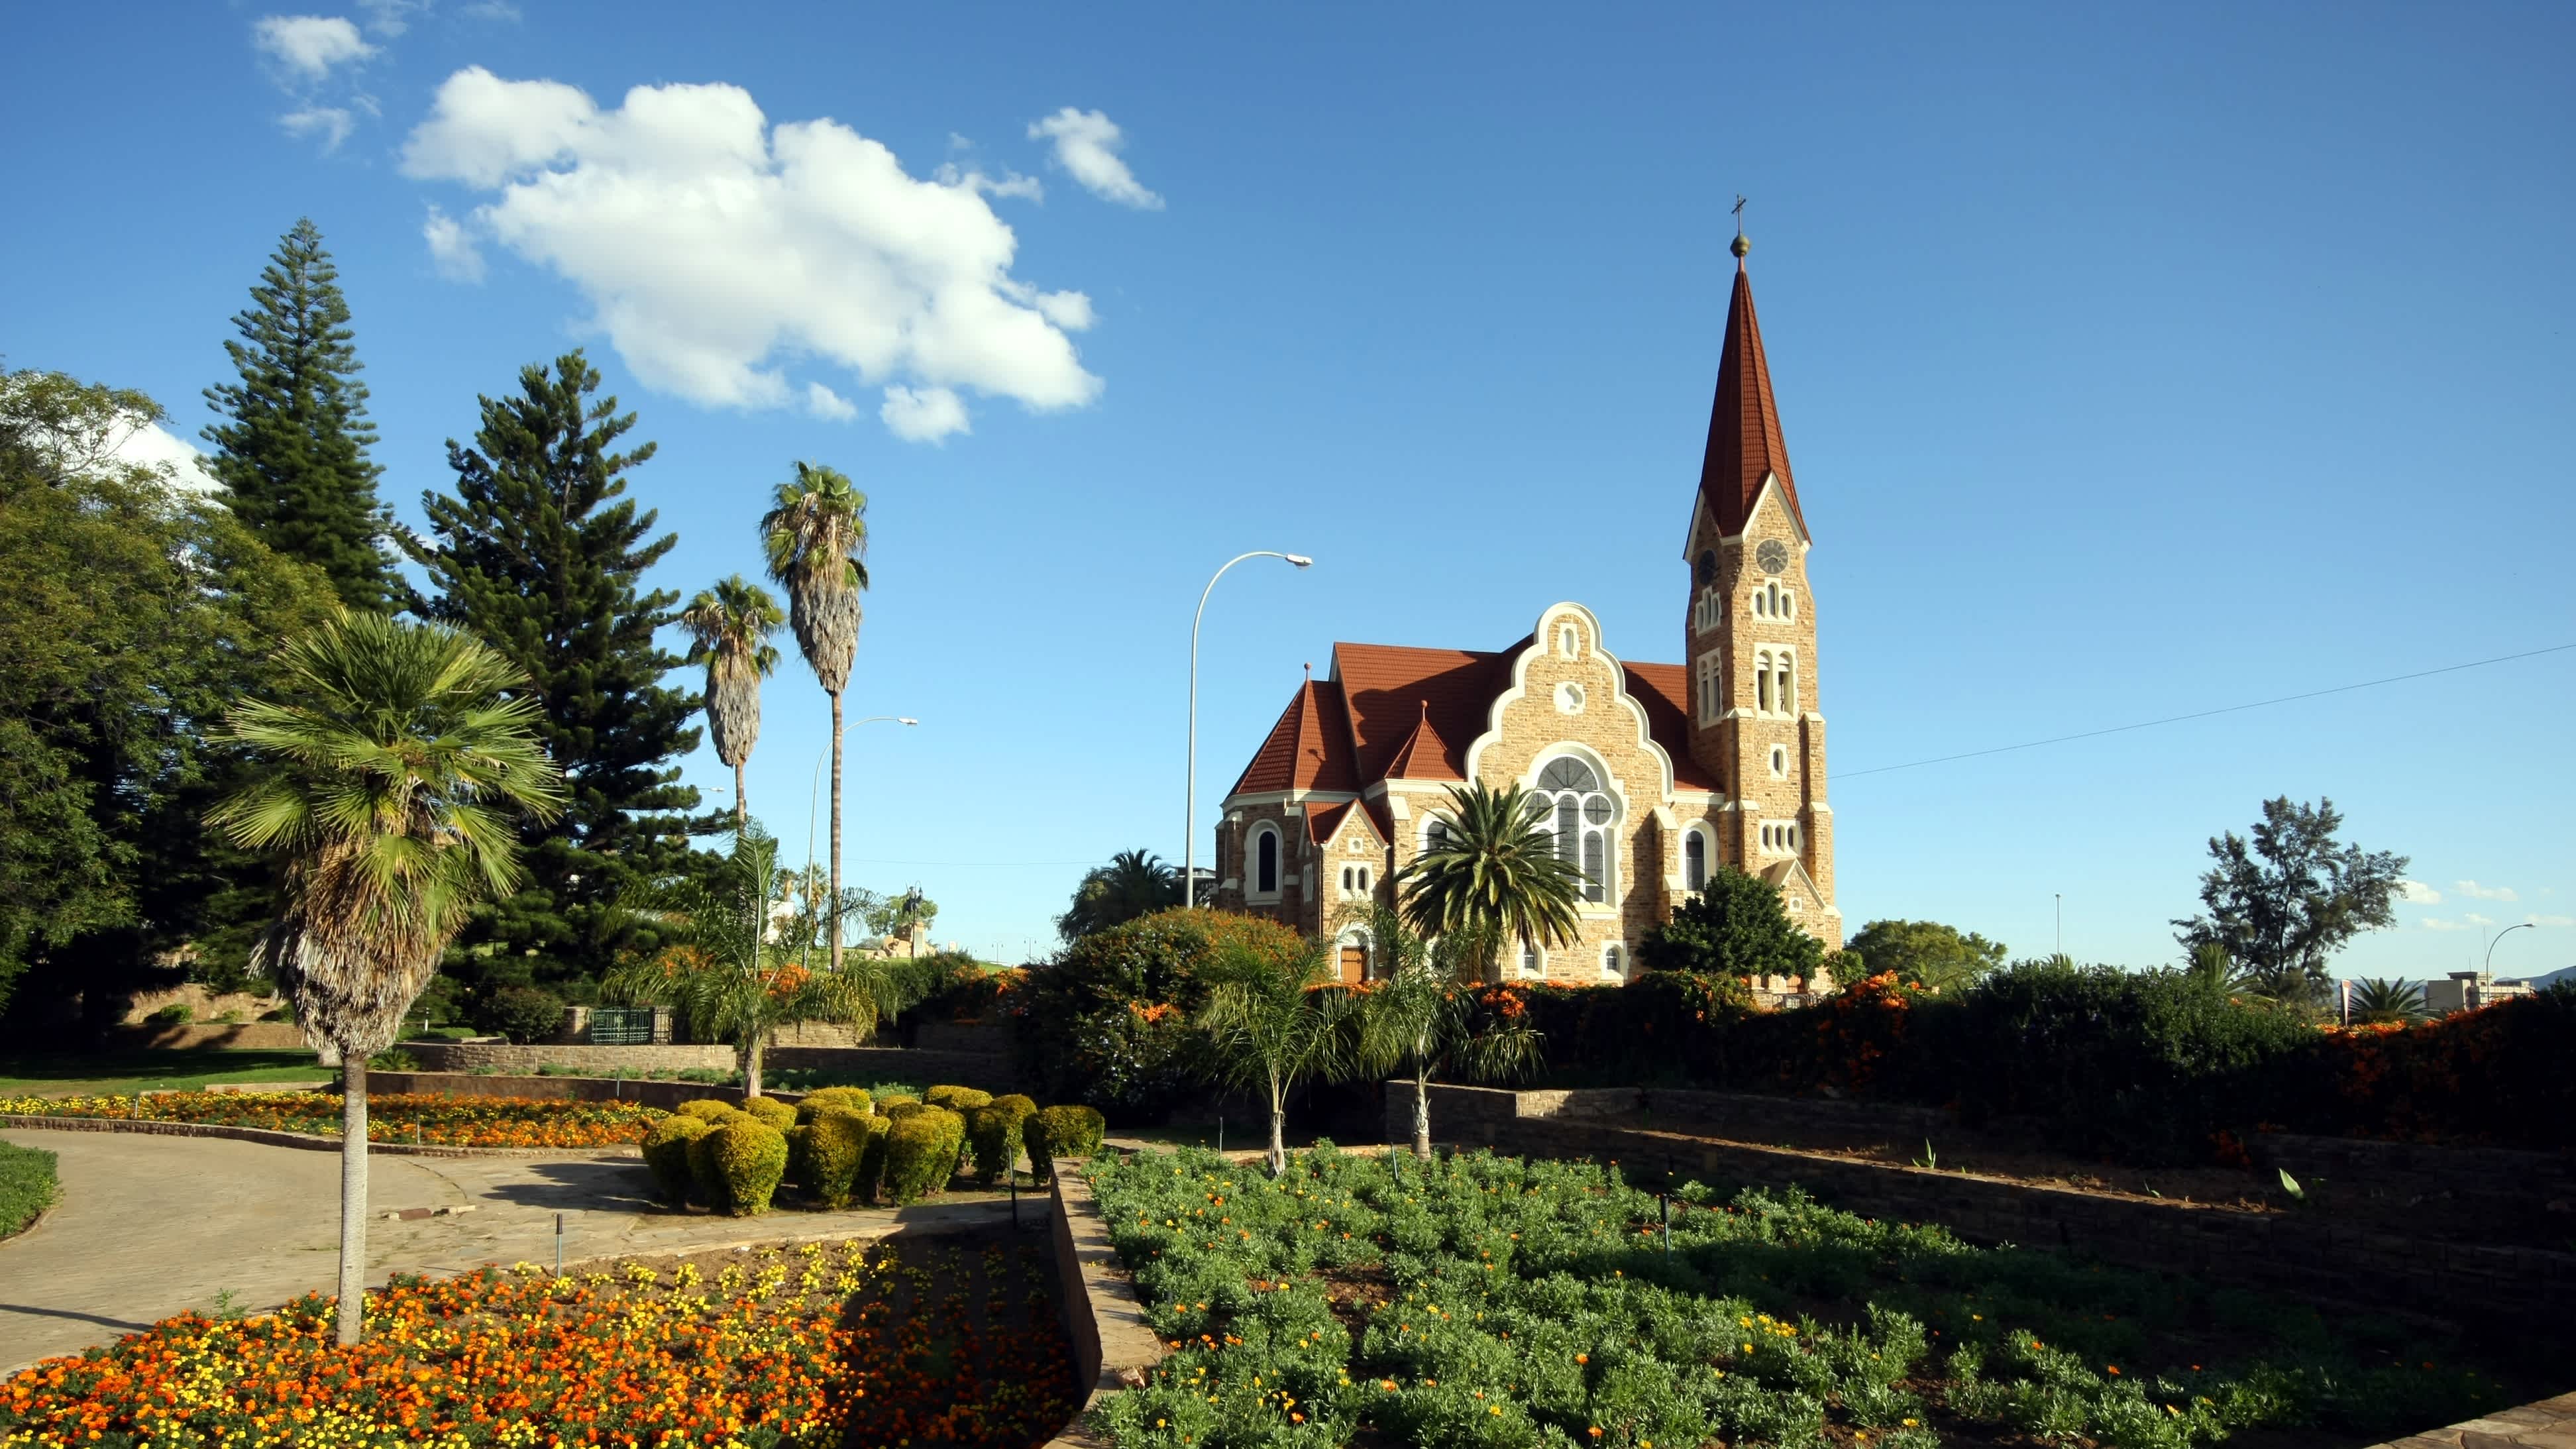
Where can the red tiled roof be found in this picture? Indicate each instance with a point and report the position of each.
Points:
(1308, 749)
(1663, 692)
(1321, 823)
(1389, 689)
(1744, 443)
(1424, 755)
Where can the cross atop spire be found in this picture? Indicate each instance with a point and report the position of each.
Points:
(1745, 448)
(1741, 246)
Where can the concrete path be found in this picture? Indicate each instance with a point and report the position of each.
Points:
(148, 1227)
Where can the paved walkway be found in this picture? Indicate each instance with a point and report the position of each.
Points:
(148, 1227)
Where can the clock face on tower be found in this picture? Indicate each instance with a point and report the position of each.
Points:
(1773, 556)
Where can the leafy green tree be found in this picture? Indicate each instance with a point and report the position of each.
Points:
(1943, 958)
(291, 452)
(816, 538)
(729, 628)
(1734, 926)
(2377, 1000)
(1420, 1016)
(731, 974)
(388, 771)
(1107, 1022)
(136, 612)
(1134, 883)
(1495, 877)
(539, 553)
(2286, 901)
(1271, 1023)
(897, 915)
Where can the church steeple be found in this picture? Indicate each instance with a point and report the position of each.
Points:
(1744, 443)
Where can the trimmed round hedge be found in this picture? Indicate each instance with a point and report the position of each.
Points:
(705, 1109)
(958, 1099)
(994, 1133)
(1054, 1132)
(921, 1153)
(835, 1141)
(770, 1110)
(666, 1154)
(854, 1098)
(749, 1158)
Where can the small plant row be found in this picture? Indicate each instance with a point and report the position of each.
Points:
(841, 1146)
(27, 1186)
(1495, 1302)
(395, 1117)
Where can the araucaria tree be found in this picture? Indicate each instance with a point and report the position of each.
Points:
(1134, 883)
(2283, 903)
(1420, 1017)
(291, 450)
(729, 967)
(729, 628)
(1274, 1019)
(388, 771)
(816, 538)
(1734, 926)
(539, 554)
(1494, 879)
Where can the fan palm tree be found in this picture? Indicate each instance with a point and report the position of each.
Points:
(1495, 877)
(2378, 999)
(1134, 883)
(816, 537)
(1273, 1020)
(729, 628)
(385, 785)
(1420, 1016)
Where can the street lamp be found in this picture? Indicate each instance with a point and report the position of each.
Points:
(813, 795)
(2489, 968)
(1190, 792)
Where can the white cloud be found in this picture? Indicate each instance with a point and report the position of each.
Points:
(2418, 893)
(1086, 144)
(390, 18)
(2474, 919)
(310, 46)
(1012, 183)
(331, 123)
(822, 402)
(451, 248)
(711, 245)
(165, 452)
(2435, 923)
(2486, 893)
(2551, 920)
(925, 415)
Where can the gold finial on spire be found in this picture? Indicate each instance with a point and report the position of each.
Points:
(1741, 245)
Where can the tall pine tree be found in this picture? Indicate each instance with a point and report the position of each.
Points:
(292, 451)
(540, 555)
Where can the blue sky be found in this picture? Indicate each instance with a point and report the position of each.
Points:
(2133, 363)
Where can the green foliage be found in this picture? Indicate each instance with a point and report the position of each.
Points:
(1734, 926)
(869, 1184)
(177, 1013)
(1068, 1131)
(1108, 1022)
(749, 1157)
(836, 1141)
(706, 1109)
(393, 1059)
(2378, 999)
(666, 1154)
(524, 1014)
(888, 1103)
(729, 628)
(1270, 1026)
(1535, 1303)
(772, 1111)
(1134, 883)
(538, 553)
(27, 1186)
(291, 451)
(2287, 903)
(994, 1132)
(957, 1099)
(921, 1153)
(1495, 878)
(1423, 1016)
(1941, 957)
(854, 1099)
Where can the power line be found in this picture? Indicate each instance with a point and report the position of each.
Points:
(2206, 713)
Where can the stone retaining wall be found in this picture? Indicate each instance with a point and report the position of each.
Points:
(259, 1035)
(972, 1069)
(665, 1095)
(1113, 1348)
(2312, 1252)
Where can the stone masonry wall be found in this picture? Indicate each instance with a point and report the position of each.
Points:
(2311, 1253)
(977, 1069)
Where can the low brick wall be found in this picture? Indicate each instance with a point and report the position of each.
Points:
(2548, 1424)
(665, 1095)
(971, 1069)
(1113, 1348)
(2310, 1253)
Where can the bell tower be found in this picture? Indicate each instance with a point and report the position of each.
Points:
(1755, 723)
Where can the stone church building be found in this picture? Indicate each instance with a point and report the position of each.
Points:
(1653, 775)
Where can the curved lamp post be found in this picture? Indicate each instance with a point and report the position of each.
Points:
(2489, 968)
(813, 795)
(1190, 793)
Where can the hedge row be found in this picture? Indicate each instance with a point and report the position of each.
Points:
(841, 1147)
(2150, 1067)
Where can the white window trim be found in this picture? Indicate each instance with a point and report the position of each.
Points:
(1707, 838)
(1569, 698)
(1708, 611)
(1614, 960)
(1569, 641)
(1779, 762)
(1530, 961)
(1612, 830)
(1709, 675)
(1252, 890)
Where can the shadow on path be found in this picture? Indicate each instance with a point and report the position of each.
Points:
(28, 1308)
(581, 1186)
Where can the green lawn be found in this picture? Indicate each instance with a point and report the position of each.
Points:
(88, 1074)
(26, 1186)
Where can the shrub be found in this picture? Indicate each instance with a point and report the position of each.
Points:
(522, 1013)
(705, 1109)
(896, 1111)
(994, 1132)
(393, 1059)
(836, 1142)
(1068, 1131)
(957, 1099)
(921, 1153)
(1108, 1022)
(749, 1157)
(853, 1098)
(888, 1101)
(177, 1013)
(1735, 926)
(666, 1154)
(872, 1160)
(776, 1113)
(27, 1186)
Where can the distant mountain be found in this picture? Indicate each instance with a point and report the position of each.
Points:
(2563, 973)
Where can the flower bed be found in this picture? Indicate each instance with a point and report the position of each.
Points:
(1495, 1302)
(941, 1341)
(439, 1120)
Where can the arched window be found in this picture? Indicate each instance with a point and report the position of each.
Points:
(1533, 960)
(1574, 807)
(1364, 880)
(1614, 960)
(1435, 835)
(1566, 641)
(1788, 603)
(1694, 859)
(1265, 860)
(1761, 605)
(1762, 681)
(1346, 880)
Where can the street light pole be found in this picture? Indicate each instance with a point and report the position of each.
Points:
(813, 798)
(1190, 791)
(2489, 968)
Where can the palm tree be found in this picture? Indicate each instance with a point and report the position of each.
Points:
(1495, 877)
(386, 784)
(730, 970)
(2378, 999)
(1134, 883)
(816, 537)
(1272, 1021)
(729, 628)
(1420, 1016)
